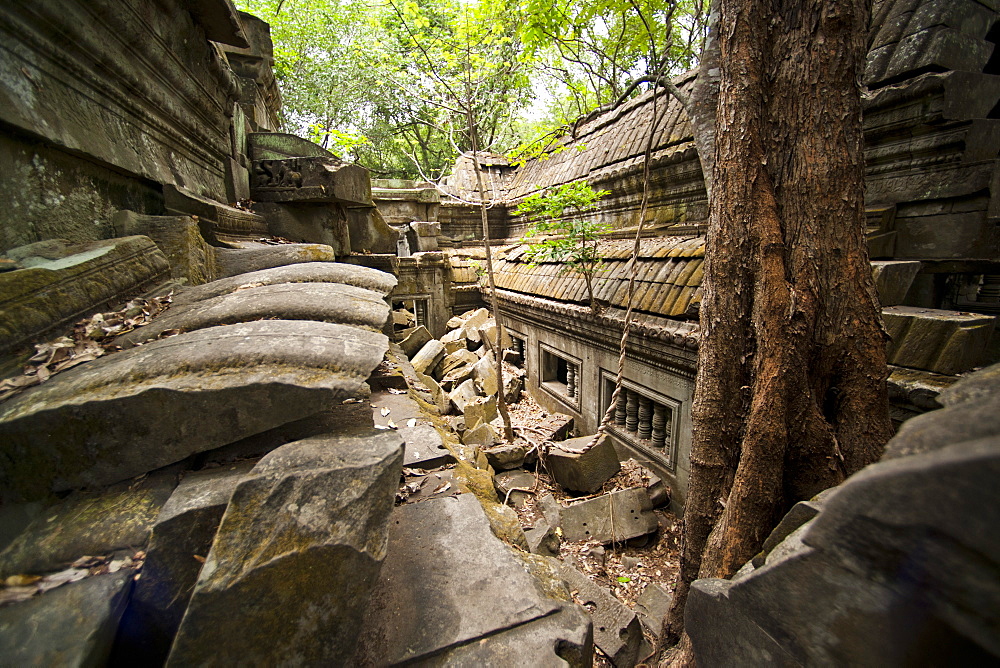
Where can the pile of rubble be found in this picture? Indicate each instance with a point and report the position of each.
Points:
(460, 370)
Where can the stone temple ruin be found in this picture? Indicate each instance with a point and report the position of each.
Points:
(226, 487)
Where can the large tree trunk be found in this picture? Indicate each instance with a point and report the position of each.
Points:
(790, 397)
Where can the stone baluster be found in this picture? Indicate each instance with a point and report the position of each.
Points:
(620, 407)
(659, 435)
(420, 309)
(571, 380)
(631, 411)
(645, 418)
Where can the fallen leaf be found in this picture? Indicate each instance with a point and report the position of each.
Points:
(16, 594)
(384, 412)
(411, 423)
(443, 487)
(352, 400)
(21, 580)
(199, 558)
(88, 562)
(391, 425)
(393, 390)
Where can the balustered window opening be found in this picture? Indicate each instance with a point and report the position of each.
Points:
(409, 312)
(559, 374)
(516, 354)
(643, 419)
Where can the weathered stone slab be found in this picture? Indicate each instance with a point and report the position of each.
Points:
(182, 534)
(250, 257)
(322, 302)
(89, 524)
(447, 582)
(441, 400)
(415, 340)
(221, 225)
(424, 446)
(179, 237)
(427, 357)
(61, 281)
(458, 376)
(893, 279)
(143, 408)
(582, 472)
(652, 607)
(613, 517)
(946, 342)
(299, 549)
(71, 625)
(463, 395)
(617, 631)
(506, 482)
(543, 540)
(281, 145)
(311, 179)
(485, 373)
(307, 272)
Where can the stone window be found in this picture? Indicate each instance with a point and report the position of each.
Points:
(644, 420)
(416, 306)
(558, 374)
(519, 347)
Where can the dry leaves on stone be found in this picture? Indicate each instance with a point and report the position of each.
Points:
(91, 338)
(17, 588)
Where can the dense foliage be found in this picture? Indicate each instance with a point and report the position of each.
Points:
(378, 83)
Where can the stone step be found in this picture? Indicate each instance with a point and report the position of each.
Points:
(140, 409)
(254, 257)
(61, 281)
(322, 302)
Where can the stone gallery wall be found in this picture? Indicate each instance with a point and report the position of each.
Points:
(103, 103)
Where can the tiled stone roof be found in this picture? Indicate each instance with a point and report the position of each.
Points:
(668, 276)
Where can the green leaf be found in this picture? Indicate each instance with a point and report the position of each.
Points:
(624, 578)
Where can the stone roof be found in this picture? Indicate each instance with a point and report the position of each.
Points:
(668, 276)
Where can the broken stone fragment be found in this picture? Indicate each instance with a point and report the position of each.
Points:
(945, 342)
(617, 630)
(543, 540)
(441, 400)
(428, 357)
(182, 536)
(71, 625)
(180, 239)
(652, 607)
(454, 346)
(304, 272)
(485, 373)
(299, 549)
(505, 456)
(89, 523)
(893, 279)
(140, 409)
(585, 471)
(482, 435)
(414, 340)
(61, 280)
(463, 395)
(480, 410)
(449, 585)
(234, 261)
(455, 360)
(613, 517)
(457, 377)
(506, 483)
(322, 302)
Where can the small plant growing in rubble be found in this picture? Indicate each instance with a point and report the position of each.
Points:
(559, 211)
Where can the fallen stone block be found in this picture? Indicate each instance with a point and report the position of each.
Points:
(180, 240)
(512, 386)
(507, 482)
(454, 346)
(140, 409)
(453, 361)
(304, 272)
(582, 472)
(428, 357)
(315, 179)
(235, 261)
(506, 456)
(613, 517)
(322, 302)
(307, 223)
(946, 342)
(62, 281)
(543, 540)
(182, 535)
(441, 400)
(89, 524)
(299, 549)
(617, 631)
(449, 584)
(463, 395)
(415, 339)
(652, 607)
(457, 377)
(893, 279)
(71, 625)
(480, 410)
(485, 373)
(482, 435)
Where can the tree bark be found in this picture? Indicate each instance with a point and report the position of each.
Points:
(790, 397)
